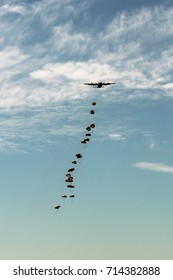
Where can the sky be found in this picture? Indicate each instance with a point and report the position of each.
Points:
(123, 185)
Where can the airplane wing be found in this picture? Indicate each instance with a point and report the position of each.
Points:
(107, 84)
(91, 84)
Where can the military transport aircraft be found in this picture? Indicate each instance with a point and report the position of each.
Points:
(98, 85)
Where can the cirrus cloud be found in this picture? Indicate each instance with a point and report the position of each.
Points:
(158, 167)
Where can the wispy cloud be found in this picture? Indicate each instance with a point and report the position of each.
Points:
(78, 71)
(10, 57)
(158, 167)
(168, 86)
(116, 136)
(124, 51)
(152, 144)
(16, 9)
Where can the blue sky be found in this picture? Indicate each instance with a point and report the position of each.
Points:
(123, 206)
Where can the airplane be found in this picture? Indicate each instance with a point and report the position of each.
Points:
(98, 85)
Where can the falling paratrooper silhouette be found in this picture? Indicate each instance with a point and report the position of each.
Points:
(89, 128)
(92, 125)
(69, 180)
(92, 112)
(71, 170)
(70, 186)
(78, 155)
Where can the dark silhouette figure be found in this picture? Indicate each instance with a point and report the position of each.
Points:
(92, 112)
(70, 186)
(78, 156)
(92, 125)
(69, 180)
(71, 170)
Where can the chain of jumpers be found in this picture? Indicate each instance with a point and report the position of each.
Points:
(69, 175)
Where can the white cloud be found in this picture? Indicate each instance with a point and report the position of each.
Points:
(159, 167)
(72, 70)
(11, 56)
(134, 44)
(17, 9)
(141, 25)
(168, 86)
(66, 39)
(124, 52)
(116, 136)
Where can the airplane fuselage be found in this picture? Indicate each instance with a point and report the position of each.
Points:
(99, 85)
